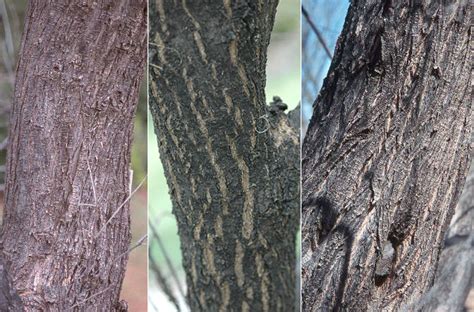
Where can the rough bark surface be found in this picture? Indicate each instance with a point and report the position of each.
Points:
(231, 162)
(386, 155)
(454, 278)
(9, 299)
(71, 126)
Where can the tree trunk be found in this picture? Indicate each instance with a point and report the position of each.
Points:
(386, 155)
(9, 299)
(456, 265)
(66, 223)
(231, 162)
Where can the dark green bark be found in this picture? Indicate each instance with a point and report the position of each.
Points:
(231, 165)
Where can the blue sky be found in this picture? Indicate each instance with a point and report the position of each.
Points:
(329, 17)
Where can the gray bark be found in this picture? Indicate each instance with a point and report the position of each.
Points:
(454, 278)
(386, 155)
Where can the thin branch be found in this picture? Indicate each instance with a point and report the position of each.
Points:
(163, 284)
(7, 28)
(153, 305)
(317, 32)
(136, 245)
(4, 144)
(120, 207)
(167, 258)
(90, 297)
(9, 47)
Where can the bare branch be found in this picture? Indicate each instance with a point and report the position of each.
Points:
(317, 32)
(4, 144)
(120, 207)
(167, 258)
(153, 305)
(89, 298)
(136, 245)
(7, 28)
(163, 285)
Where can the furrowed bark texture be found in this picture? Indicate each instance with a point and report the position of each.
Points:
(68, 164)
(9, 299)
(231, 163)
(456, 265)
(386, 155)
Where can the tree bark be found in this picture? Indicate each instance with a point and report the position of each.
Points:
(456, 265)
(231, 162)
(9, 299)
(386, 155)
(66, 223)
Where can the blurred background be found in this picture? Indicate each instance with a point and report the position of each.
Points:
(326, 18)
(134, 290)
(283, 79)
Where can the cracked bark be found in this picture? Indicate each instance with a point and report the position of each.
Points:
(71, 126)
(456, 265)
(231, 162)
(9, 299)
(386, 155)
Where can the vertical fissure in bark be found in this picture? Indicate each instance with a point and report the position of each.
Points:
(456, 265)
(231, 162)
(68, 166)
(388, 150)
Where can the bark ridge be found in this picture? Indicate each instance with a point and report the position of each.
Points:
(386, 154)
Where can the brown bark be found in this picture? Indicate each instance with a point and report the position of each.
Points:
(231, 162)
(386, 155)
(76, 93)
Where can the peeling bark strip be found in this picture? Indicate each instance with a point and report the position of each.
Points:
(386, 155)
(76, 93)
(234, 187)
